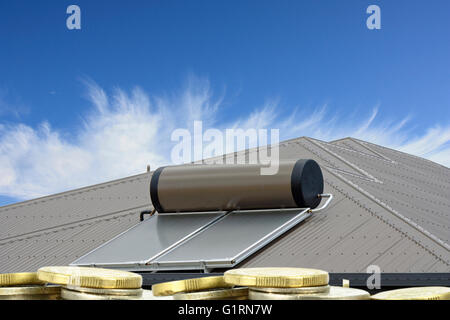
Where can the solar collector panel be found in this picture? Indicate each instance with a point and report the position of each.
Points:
(230, 240)
(198, 241)
(147, 239)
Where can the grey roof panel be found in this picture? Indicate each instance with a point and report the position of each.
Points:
(63, 245)
(348, 237)
(420, 197)
(84, 204)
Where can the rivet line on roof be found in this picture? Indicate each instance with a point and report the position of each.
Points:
(321, 145)
(70, 194)
(408, 195)
(404, 167)
(406, 177)
(320, 155)
(412, 186)
(417, 162)
(353, 175)
(410, 222)
(411, 157)
(373, 213)
(345, 142)
(362, 154)
(424, 210)
(74, 224)
(410, 177)
(347, 195)
(61, 241)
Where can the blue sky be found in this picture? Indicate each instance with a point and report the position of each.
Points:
(234, 62)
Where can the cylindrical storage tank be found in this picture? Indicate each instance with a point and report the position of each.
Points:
(194, 188)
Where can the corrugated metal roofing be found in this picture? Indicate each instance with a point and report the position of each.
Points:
(390, 209)
(56, 230)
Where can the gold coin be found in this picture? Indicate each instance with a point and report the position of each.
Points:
(67, 294)
(32, 297)
(217, 294)
(19, 279)
(30, 293)
(189, 285)
(335, 293)
(300, 290)
(91, 277)
(114, 292)
(418, 293)
(277, 277)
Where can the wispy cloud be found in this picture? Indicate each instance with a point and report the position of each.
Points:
(125, 131)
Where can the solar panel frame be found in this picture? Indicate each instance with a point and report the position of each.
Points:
(159, 264)
(139, 263)
(155, 262)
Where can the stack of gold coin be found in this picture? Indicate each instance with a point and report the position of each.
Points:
(417, 293)
(82, 283)
(290, 284)
(205, 288)
(26, 286)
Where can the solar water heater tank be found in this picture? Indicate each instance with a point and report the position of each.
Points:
(201, 187)
(226, 213)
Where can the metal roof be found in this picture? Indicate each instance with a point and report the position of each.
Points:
(390, 209)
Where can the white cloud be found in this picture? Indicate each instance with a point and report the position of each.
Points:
(125, 131)
(121, 135)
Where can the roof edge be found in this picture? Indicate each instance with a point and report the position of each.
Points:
(68, 192)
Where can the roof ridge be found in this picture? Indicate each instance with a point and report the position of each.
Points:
(338, 140)
(350, 173)
(402, 153)
(347, 162)
(373, 152)
(350, 149)
(384, 158)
